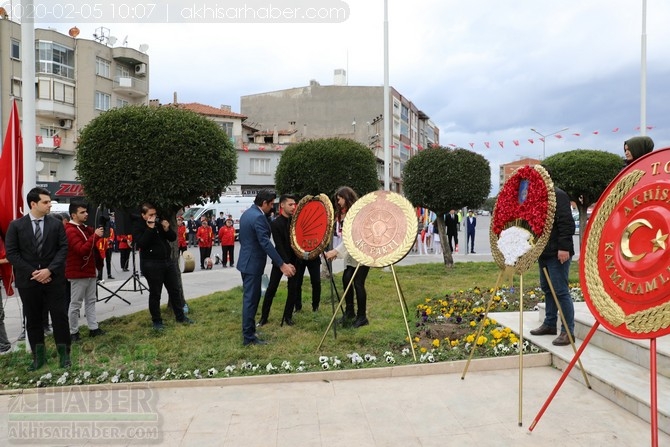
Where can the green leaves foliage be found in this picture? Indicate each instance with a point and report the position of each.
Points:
(165, 155)
(323, 165)
(583, 173)
(441, 179)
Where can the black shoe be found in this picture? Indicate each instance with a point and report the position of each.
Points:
(472, 252)
(159, 326)
(346, 320)
(75, 337)
(95, 332)
(262, 322)
(110, 277)
(36, 364)
(186, 321)
(255, 341)
(543, 330)
(287, 321)
(361, 322)
(315, 308)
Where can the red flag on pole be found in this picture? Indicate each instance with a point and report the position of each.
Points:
(11, 167)
(11, 184)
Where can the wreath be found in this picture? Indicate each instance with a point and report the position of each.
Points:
(523, 218)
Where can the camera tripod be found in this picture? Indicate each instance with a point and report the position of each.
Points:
(138, 285)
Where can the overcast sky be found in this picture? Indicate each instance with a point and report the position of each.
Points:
(483, 70)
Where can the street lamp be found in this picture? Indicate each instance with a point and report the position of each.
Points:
(544, 139)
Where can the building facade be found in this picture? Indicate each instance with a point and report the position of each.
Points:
(508, 169)
(344, 111)
(76, 79)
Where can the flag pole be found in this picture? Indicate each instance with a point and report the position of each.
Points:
(28, 103)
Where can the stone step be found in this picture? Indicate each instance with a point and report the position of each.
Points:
(623, 379)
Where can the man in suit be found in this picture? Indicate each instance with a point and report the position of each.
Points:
(281, 236)
(255, 247)
(470, 224)
(451, 222)
(37, 249)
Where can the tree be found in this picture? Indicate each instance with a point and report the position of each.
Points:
(168, 156)
(442, 179)
(584, 175)
(322, 165)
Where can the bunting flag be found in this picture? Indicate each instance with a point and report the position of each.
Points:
(577, 134)
(487, 144)
(57, 141)
(245, 148)
(420, 147)
(516, 142)
(261, 148)
(277, 147)
(559, 136)
(616, 129)
(531, 141)
(11, 184)
(407, 146)
(472, 145)
(595, 132)
(502, 145)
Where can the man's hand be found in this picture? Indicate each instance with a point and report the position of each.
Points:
(42, 276)
(332, 254)
(563, 256)
(287, 269)
(99, 231)
(166, 224)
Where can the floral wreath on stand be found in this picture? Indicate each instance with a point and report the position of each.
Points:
(522, 219)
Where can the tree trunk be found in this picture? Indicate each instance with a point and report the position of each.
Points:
(446, 251)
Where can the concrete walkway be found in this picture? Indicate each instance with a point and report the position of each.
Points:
(417, 405)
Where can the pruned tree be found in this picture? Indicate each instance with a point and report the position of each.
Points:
(168, 156)
(324, 164)
(584, 175)
(441, 179)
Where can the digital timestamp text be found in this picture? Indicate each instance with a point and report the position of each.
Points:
(178, 11)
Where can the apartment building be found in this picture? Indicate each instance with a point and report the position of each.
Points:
(76, 79)
(340, 110)
(508, 169)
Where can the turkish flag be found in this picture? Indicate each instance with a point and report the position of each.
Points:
(616, 129)
(487, 144)
(531, 141)
(57, 141)
(11, 184)
(472, 145)
(516, 142)
(502, 145)
(11, 172)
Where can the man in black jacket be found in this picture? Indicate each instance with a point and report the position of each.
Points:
(281, 235)
(451, 224)
(556, 259)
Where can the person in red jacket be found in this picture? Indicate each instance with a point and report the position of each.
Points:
(205, 237)
(181, 235)
(227, 238)
(124, 241)
(80, 269)
(105, 248)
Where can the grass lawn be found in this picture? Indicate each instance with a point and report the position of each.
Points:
(447, 304)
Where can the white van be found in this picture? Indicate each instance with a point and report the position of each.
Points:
(228, 205)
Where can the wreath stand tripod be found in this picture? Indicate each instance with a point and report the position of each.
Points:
(521, 342)
(137, 284)
(401, 298)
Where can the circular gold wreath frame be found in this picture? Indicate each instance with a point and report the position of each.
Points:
(526, 261)
(642, 322)
(323, 244)
(408, 242)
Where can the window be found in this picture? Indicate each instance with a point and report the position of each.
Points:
(48, 131)
(53, 58)
(102, 67)
(121, 103)
(15, 50)
(122, 71)
(227, 128)
(102, 101)
(260, 166)
(16, 88)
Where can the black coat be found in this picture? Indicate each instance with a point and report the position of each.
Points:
(563, 229)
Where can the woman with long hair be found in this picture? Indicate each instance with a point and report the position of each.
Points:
(345, 197)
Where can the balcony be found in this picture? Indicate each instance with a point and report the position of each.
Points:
(130, 86)
(48, 108)
(129, 56)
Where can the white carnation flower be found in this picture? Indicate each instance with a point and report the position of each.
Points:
(513, 243)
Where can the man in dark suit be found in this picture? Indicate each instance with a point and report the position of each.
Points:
(255, 247)
(451, 222)
(470, 224)
(37, 249)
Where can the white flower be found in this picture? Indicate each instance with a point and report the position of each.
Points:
(131, 375)
(404, 352)
(246, 366)
(197, 374)
(87, 375)
(337, 363)
(62, 379)
(389, 359)
(323, 359)
(370, 358)
(286, 365)
(269, 368)
(325, 365)
(115, 379)
(142, 376)
(302, 363)
(514, 243)
(102, 377)
(300, 368)
(228, 370)
(355, 358)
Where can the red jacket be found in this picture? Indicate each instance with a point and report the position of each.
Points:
(227, 235)
(205, 236)
(181, 235)
(124, 241)
(81, 251)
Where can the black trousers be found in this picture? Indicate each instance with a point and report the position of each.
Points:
(314, 269)
(225, 251)
(159, 273)
(275, 278)
(205, 252)
(125, 257)
(453, 240)
(359, 287)
(45, 296)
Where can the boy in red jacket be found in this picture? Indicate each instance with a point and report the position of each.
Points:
(205, 237)
(80, 269)
(227, 238)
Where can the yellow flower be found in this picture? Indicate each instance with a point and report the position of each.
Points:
(470, 338)
(423, 350)
(417, 339)
(473, 324)
(481, 340)
(429, 310)
(436, 343)
(454, 342)
(493, 321)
